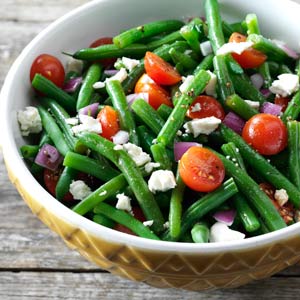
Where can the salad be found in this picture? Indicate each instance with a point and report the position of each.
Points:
(172, 130)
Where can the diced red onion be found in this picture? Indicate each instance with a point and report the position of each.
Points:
(48, 157)
(111, 72)
(132, 97)
(181, 147)
(271, 108)
(71, 85)
(225, 216)
(290, 52)
(257, 80)
(90, 110)
(121, 137)
(266, 92)
(235, 122)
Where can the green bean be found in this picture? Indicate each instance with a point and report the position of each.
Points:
(109, 189)
(48, 88)
(126, 220)
(231, 150)
(89, 166)
(203, 206)
(54, 132)
(293, 109)
(175, 211)
(233, 65)
(294, 151)
(64, 181)
(261, 165)
(45, 139)
(160, 155)
(245, 213)
(244, 87)
(86, 90)
(205, 64)
(269, 48)
(200, 233)
(132, 174)
(29, 151)
(133, 35)
(146, 137)
(168, 39)
(164, 111)
(185, 60)
(104, 221)
(176, 119)
(240, 107)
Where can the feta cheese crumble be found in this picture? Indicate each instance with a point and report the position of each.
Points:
(286, 85)
(220, 232)
(137, 154)
(79, 190)
(210, 88)
(74, 65)
(281, 197)
(123, 202)
(234, 48)
(29, 120)
(206, 48)
(148, 223)
(87, 124)
(72, 121)
(196, 107)
(121, 137)
(161, 181)
(150, 166)
(253, 104)
(121, 76)
(202, 126)
(129, 63)
(186, 83)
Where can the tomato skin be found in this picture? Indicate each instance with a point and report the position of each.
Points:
(283, 102)
(106, 62)
(209, 107)
(201, 170)
(50, 67)
(157, 94)
(250, 58)
(109, 120)
(266, 134)
(160, 71)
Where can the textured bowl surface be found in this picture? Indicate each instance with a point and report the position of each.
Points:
(162, 264)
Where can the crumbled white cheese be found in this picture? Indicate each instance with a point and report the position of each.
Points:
(121, 137)
(72, 121)
(210, 88)
(166, 225)
(121, 76)
(118, 147)
(186, 83)
(103, 193)
(146, 79)
(130, 63)
(74, 65)
(79, 189)
(206, 48)
(281, 197)
(29, 120)
(286, 85)
(179, 133)
(202, 126)
(87, 124)
(148, 223)
(234, 48)
(137, 154)
(150, 166)
(161, 181)
(220, 232)
(99, 85)
(253, 104)
(196, 107)
(123, 202)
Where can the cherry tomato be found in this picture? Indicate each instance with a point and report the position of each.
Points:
(50, 180)
(138, 214)
(283, 102)
(250, 58)
(266, 133)
(160, 71)
(201, 170)
(206, 106)
(106, 62)
(157, 94)
(109, 120)
(50, 67)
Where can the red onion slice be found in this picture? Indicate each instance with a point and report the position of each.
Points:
(181, 147)
(257, 80)
(90, 110)
(266, 92)
(132, 97)
(271, 108)
(48, 157)
(111, 72)
(235, 122)
(290, 52)
(71, 85)
(225, 216)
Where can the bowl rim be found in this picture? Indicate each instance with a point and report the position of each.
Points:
(18, 170)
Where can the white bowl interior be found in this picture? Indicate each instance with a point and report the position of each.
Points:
(106, 18)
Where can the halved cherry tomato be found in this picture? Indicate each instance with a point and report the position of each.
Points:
(160, 71)
(109, 120)
(266, 133)
(50, 181)
(157, 94)
(283, 102)
(201, 170)
(250, 58)
(106, 62)
(206, 106)
(50, 67)
(138, 214)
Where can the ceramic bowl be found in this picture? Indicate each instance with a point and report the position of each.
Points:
(161, 264)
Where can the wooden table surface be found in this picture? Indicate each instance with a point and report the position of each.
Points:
(34, 262)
